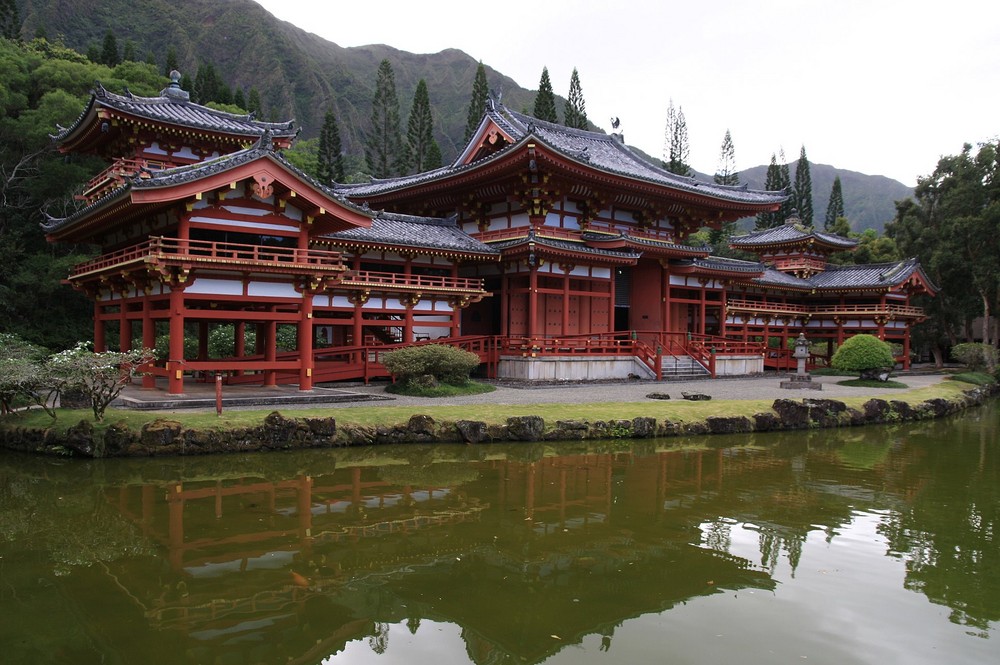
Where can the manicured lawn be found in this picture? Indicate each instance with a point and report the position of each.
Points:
(674, 410)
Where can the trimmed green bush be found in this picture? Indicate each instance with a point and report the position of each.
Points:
(977, 357)
(447, 364)
(865, 354)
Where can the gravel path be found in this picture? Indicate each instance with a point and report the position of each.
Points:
(739, 388)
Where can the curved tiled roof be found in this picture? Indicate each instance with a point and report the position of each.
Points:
(841, 277)
(598, 237)
(411, 231)
(609, 153)
(725, 264)
(791, 234)
(565, 246)
(598, 150)
(148, 179)
(173, 108)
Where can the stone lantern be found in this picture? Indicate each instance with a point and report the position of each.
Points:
(801, 378)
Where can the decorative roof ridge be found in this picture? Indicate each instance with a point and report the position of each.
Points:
(54, 223)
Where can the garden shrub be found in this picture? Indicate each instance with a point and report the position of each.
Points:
(865, 354)
(976, 356)
(447, 364)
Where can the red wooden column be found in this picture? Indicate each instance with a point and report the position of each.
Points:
(611, 300)
(239, 343)
(565, 300)
(723, 316)
(307, 360)
(532, 298)
(703, 307)
(271, 350)
(456, 309)
(504, 302)
(100, 341)
(124, 327)
(148, 338)
(409, 304)
(175, 362)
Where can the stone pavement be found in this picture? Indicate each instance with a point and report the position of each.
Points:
(202, 396)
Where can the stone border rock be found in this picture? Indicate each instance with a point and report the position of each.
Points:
(170, 437)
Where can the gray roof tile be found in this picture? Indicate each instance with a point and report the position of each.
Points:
(411, 231)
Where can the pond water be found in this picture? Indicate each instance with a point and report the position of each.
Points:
(868, 545)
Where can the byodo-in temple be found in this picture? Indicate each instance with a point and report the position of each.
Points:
(553, 253)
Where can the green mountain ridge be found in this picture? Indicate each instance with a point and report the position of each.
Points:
(301, 75)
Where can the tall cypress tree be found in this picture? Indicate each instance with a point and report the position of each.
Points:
(576, 108)
(240, 99)
(785, 184)
(420, 130)
(254, 104)
(109, 50)
(545, 100)
(835, 208)
(772, 183)
(171, 63)
(677, 150)
(726, 173)
(384, 150)
(477, 105)
(329, 160)
(128, 51)
(804, 189)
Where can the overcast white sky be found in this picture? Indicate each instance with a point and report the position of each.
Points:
(884, 87)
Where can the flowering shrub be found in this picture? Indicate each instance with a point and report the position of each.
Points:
(99, 376)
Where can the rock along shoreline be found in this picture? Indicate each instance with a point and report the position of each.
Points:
(278, 432)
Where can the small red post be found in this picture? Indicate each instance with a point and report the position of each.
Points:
(218, 393)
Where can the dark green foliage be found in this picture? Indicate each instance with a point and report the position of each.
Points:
(384, 149)
(10, 20)
(128, 51)
(545, 100)
(171, 62)
(803, 189)
(477, 105)
(835, 208)
(772, 183)
(951, 226)
(253, 102)
(329, 157)
(865, 354)
(576, 108)
(420, 131)
(434, 158)
(207, 85)
(94, 53)
(109, 50)
(677, 149)
(978, 357)
(447, 364)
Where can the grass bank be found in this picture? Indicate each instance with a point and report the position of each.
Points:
(680, 411)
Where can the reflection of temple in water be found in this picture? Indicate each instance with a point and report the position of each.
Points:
(313, 562)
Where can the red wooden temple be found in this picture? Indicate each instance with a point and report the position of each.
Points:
(553, 253)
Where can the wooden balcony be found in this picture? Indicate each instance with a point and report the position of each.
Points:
(825, 311)
(191, 253)
(112, 177)
(799, 264)
(391, 281)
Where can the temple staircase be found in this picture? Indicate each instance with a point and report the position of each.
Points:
(682, 368)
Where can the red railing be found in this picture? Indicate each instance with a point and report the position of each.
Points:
(891, 309)
(172, 250)
(368, 278)
(800, 263)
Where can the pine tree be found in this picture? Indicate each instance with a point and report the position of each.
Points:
(772, 183)
(576, 108)
(171, 63)
(128, 51)
(151, 58)
(10, 20)
(239, 99)
(726, 173)
(477, 106)
(254, 104)
(804, 189)
(545, 100)
(419, 130)
(785, 185)
(207, 85)
(329, 160)
(109, 50)
(384, 150)
(676, 149)
(434, 158)
(835, 208)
